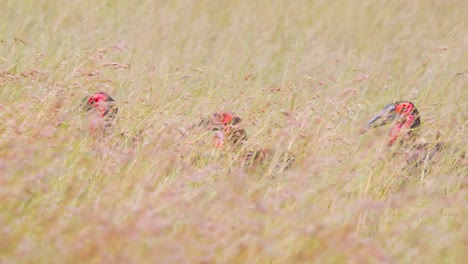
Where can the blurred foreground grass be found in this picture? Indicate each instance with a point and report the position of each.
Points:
(304, 75)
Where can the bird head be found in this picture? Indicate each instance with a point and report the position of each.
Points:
(102, 103)
(224, 126)
(402, 114)
(103, 110)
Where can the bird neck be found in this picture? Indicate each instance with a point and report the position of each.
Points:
(234, 136)
(406, 129)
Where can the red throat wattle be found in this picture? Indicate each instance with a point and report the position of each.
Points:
(404, 109)
(219, 139)
(226, 119)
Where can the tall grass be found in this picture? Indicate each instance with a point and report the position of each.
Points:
(304, 75)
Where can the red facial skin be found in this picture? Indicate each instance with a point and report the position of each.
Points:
(102, 104)
(405, 110)
(98, 100)
(225, 119)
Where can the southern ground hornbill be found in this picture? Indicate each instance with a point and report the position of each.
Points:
(406, 119)
(224, 126)
(230, 137)
(406, 124)
(103, 111)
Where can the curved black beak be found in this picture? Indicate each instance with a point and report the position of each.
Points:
(385, 116)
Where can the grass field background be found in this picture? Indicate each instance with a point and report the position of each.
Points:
(305, 76)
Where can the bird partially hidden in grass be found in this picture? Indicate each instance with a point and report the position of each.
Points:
(231, 138)
(103, 111)
(224, 126)
(406, 124)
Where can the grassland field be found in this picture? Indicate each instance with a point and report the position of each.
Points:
(305, 76)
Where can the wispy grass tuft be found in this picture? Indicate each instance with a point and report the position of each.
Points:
(305, 76)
